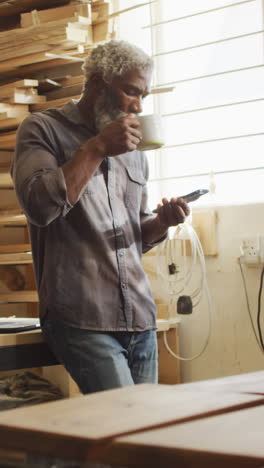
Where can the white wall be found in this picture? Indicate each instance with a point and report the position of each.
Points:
(232, 347)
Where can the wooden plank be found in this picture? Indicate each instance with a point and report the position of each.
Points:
(66, 92)
(10, 8)
(69, 428)
(16, 339)
(228, 440)
(71, 80)
(41, 67)
(8, 66)
(13, 110)
(15, 297)
(75, 32)
(5, 179)
(53, 14)
(12, 122)
(28, 96)
(26, 83)
(7, 140)
(46, 85)
(102, 32)
(16, 258)
(13, 248)
(12, 219)
(49, 104)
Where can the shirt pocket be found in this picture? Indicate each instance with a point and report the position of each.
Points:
(134, 187)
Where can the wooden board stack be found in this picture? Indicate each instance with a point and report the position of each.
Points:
(46, 40)
(41, 53)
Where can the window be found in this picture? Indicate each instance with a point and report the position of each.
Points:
(211, 52)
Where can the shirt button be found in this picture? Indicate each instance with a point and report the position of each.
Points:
(121, 254)
(123, 285)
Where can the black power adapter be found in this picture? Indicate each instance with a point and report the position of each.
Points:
(184, 305)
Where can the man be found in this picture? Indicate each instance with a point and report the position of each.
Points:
(82, 185)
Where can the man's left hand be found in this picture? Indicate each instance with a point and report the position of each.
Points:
(173, 212)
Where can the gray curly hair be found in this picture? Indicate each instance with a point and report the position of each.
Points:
(115, 58)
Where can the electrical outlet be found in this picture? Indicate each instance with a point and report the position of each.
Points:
(250, 249)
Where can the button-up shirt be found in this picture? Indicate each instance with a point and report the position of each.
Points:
(87, 257)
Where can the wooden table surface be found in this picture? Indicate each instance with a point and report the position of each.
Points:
(70, 427)
(230, 440)
(251, 382)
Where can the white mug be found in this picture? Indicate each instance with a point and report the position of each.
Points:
(152, 133)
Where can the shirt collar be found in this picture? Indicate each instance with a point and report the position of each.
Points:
(72, 113)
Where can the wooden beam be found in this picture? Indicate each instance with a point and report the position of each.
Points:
(11, 123)
(12, 219)
(14, 7)
(12, 248)
(48, 104)
(24, 96)
(53, 14)
(65, 92)
(20, 258)
(5, 180)
(15, 297)
(26, 83)
(7, 140)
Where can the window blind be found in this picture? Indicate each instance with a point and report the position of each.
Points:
(211, 52)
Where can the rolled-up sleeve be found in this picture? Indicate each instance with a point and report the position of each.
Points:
(38, 179)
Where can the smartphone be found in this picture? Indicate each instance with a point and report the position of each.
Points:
(192, 196)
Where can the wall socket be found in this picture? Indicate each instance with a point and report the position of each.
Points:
(252, 250)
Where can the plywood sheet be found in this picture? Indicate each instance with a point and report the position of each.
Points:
(228, 440)
(69, 427)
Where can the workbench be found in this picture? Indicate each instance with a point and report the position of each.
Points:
(29, 349)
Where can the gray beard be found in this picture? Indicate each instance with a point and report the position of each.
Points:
(105, 111)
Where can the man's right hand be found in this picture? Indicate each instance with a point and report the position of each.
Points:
(120, 136)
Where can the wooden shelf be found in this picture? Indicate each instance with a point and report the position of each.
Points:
(16, 297)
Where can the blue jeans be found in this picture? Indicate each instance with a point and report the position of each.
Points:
(103, 360)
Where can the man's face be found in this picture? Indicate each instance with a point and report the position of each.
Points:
(123, 96)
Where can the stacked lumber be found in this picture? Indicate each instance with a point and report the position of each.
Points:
(16, 254)
(52, 36)
(41, 53)
(54, 30)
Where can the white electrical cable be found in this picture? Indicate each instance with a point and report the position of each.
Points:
(167, 250)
